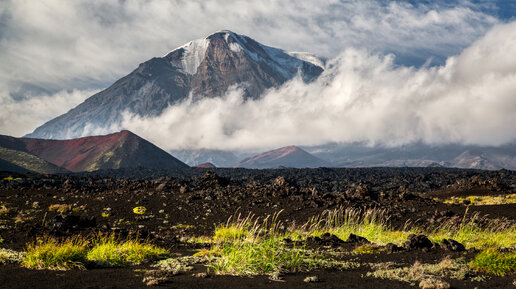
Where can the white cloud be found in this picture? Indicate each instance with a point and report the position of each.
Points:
(361, 97)
(20, 117)
(50, 46)
(66, 44)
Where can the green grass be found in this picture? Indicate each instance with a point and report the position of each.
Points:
(108, 251)
(51, 254)
(60, 208)
(260, 258)
(447, 268)
(245, 246)
(371, 224)
(483, 200)
(248, 246)
(368, 249)
(102, 251)
(240, 229)
(10, 256)
(9, 178)
(493, 261)
(229, 233)
(477, 233)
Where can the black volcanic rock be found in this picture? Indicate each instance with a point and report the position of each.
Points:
(452, 245)
(204, 67)
(417, 242)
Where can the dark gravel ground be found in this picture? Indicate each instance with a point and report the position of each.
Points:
(203, 198)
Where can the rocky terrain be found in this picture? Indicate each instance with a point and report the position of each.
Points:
(182, 205)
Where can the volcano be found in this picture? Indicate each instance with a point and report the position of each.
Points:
(201, 68)
(114, 151)
(290, 156)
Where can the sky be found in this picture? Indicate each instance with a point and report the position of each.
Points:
(401, 71)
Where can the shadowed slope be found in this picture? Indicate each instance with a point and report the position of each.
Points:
(119, 150)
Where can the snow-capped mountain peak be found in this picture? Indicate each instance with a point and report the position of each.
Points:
(205, 67)
(288, 64)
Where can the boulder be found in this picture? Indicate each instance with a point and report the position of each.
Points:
(417, 242)
(452, 245)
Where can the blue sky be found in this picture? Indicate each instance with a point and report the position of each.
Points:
(56, 53)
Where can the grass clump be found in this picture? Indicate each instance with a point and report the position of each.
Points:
(9, 178)
(493, 261)
(372, 224)
(474, 232)
(4, 210)
(102, 251)
(10, 256)
(60, 208)
(108, 251)
(260, 258)
(233, 231)
(51, 254)
(483, 200)
(418, 272)
(247, 247)
(368, 249)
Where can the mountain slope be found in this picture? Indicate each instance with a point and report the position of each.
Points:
(119, 150)
(290, 156)
(418, 155)
(205, 67)
(218, 158)
(20, 161)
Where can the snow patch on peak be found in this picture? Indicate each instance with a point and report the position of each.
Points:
(235, 47)
(194, 53)
(233, 43)
(308, 57)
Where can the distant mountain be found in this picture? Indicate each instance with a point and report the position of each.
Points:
(219, 158)
(118, 150)
(206, 166)
(418, 155)
(290, 156)
(205, 67)
(20, 161)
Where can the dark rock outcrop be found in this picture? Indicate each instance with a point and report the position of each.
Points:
(418, 242)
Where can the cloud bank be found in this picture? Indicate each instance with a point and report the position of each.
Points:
(360, 97)
(47, 47)
(21, 115)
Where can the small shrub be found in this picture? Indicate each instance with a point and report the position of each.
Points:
(495, 262)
